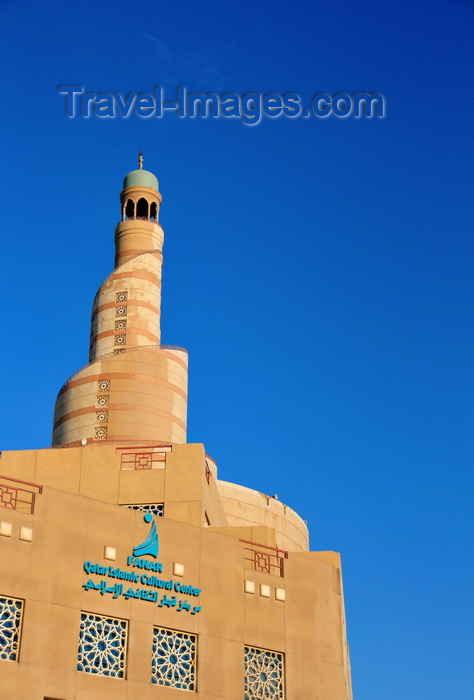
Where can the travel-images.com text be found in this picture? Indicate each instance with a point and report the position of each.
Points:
(249, 108)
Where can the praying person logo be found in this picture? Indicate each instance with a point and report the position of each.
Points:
(150, 545)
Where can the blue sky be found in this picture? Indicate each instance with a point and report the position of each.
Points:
(319, 271)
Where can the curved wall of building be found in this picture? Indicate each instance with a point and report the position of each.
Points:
(245, 507)
(126, 309)
(139, 394)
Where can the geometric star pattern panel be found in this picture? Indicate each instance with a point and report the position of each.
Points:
(102, 643)
(263, 675)
(10, 624)
(174, 659)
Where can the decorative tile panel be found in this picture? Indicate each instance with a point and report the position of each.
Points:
(120, 339)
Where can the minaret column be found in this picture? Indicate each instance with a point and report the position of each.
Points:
(139, 229)
(127, 308)
(134, 388)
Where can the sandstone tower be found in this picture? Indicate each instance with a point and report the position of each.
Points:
(133, 388)
(128, 570)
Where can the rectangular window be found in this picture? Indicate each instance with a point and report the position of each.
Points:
(11, 614)
(263, 674)
(102, 645)
(174, 659)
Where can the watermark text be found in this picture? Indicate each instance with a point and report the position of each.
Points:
(250, 108)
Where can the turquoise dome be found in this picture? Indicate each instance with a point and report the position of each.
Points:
(140, 178)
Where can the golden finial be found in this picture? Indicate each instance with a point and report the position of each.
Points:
(140, 158)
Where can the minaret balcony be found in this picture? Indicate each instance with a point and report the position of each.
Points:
(138, 218)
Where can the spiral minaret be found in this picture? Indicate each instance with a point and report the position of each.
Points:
(133, 389)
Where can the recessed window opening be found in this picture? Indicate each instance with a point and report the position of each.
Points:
(142, 208)
(130, 209)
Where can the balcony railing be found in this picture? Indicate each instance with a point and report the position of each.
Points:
(18, 495)
(139, 218)
(261, 557)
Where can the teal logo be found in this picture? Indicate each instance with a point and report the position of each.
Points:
(149, 547)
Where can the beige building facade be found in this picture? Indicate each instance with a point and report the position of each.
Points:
(127, 569)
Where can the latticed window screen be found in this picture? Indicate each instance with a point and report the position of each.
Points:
(102, 645)
(263, 675)
(11, 612)
(154, 508)
(174, 659)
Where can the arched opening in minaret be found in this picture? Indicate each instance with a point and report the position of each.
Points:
(130, 209)
(142, 208)
(153, 211)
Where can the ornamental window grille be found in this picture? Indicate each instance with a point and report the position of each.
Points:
(174, 659)
(101, 433)
(153, 508)
(263, 675)
(103, 384)
(102, 416)
(11, 614)
(102, 645)
(121, 311)
(121, 325)
(120, 297)
(103, 400)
